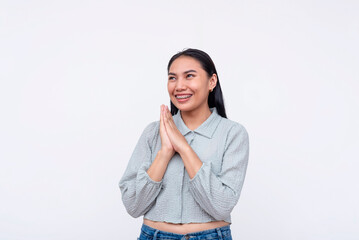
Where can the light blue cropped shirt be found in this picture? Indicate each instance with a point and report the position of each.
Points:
(223, 147)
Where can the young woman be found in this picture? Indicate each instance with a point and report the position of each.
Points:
(187, 170)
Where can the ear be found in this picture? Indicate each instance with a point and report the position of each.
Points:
(213, 81)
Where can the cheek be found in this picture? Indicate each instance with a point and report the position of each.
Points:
(200, 89)
(170, 88)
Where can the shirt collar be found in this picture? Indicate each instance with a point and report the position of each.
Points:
(206, 129)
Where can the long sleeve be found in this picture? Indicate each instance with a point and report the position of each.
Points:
(138, 190)
(218, 194)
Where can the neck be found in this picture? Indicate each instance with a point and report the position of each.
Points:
(195, 118)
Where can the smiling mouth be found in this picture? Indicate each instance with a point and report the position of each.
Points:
(183, 96)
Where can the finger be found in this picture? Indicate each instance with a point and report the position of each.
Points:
(169, 125)
(162, 123)
(165, 114)
(161, 117)
(165, 118)
(169, 116)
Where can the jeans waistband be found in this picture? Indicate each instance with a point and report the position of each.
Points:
(158, 233)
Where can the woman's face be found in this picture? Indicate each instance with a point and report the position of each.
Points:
(188, 84)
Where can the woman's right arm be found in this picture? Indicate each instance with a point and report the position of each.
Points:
(142, 181)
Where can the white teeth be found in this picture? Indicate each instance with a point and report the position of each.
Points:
(184, 96)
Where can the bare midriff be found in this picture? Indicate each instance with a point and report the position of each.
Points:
(183, 228)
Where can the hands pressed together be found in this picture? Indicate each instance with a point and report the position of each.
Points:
(172, 141)
(171, 138)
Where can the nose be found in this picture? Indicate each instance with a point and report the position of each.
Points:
(180, 84)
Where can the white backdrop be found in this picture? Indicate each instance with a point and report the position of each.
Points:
(81, 79)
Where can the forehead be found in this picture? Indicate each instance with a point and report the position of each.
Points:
(185, 63)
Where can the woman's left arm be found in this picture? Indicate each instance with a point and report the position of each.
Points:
(218, 193)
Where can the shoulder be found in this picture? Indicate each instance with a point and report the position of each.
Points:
(151, 129)
(152, 125)
(231, 126)
(233, 132)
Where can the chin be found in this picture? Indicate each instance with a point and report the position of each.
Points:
(185, 109)
(180, 107)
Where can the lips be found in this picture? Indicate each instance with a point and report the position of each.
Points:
(183, 96)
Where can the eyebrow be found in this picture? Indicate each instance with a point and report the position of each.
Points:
(170, 73)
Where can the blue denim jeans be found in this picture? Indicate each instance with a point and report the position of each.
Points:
(220, 233)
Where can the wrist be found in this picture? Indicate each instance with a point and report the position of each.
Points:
(166, 153)
(185, 148)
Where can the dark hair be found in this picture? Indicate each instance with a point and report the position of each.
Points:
(215, 98)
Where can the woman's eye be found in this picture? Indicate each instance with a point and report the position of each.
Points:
(171, 78)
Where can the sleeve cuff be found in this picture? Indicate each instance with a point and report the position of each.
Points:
(143, 171)
(199, 172)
